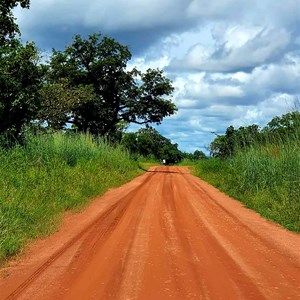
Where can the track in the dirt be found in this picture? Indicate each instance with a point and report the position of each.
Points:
(165, 235)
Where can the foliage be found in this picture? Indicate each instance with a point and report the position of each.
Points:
(149, 142)
(118, 95)
(8, 27)
(280, 129)
(50, 174)
(60, 102)
(20, 78)
(263, 172)
(194, 156)
(87, 85)
(264, 178)
(283, 128)
(224, 146)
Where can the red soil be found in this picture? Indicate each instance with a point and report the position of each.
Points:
(165, 235)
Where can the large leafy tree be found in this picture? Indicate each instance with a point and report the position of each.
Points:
(8, 27)
(19, 73)
(119, 95)
(20, 78)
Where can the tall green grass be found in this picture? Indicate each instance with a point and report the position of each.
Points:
(265, 178)
(50, 175)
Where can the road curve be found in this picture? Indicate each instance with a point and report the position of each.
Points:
(165, 235)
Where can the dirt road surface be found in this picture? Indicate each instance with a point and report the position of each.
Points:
(165, 235)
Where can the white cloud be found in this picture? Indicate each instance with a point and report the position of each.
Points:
(236, 48)
(142, 64)
(107, 14)
(194, 90)
(235, 36)
(281, 77)
(233, 62)
(196, 130)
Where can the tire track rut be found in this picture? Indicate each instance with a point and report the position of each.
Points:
(165, 235)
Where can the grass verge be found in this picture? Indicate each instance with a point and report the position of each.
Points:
(50, 175)
(264, 178)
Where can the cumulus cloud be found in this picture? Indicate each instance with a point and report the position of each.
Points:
(142, 64)
(232, 62)
(194, 90)
(283, 77)
(202, 89)
(210, 102)
(195, 128)
(237, 48)
(145, 21)
(130, 20)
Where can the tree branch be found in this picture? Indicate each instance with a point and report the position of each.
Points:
(140, 123)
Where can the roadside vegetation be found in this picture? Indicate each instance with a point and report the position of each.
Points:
(86, 96)
(62, 125)
(49, 175)
(261, 168)
(62, 138)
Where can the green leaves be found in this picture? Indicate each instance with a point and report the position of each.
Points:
(119, 95)
(278, 131)
(99, 63)
(148, 104)
(8, 27)
(86, 85)
(60, 102)
(20, 78)
(149, 142)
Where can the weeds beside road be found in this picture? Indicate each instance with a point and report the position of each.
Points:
(265, 178)
(50, 175)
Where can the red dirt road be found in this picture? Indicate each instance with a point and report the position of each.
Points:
(165, 235)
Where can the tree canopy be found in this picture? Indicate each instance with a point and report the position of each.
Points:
(279, 129)
(116, 94)
(20, 81)
(149, 142)
(8, 27)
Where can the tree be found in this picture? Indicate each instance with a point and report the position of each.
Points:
(224, 146)
(130, 142)
(247, 136)
(60, 103)
(120, 95)
(286, 126)
(148, 141)
(218, 147)
(20, 78)
(197, 155)
(8, 27)
(278, 130)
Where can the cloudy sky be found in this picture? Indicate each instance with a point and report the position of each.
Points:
(232, 62)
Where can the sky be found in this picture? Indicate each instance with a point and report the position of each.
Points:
(232, 62)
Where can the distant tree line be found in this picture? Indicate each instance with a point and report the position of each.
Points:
(148, 142)
(278, 130)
